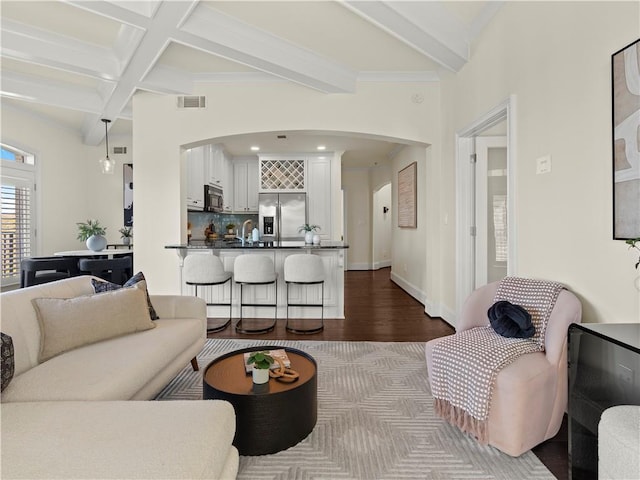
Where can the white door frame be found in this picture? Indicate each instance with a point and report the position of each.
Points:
(465, 193)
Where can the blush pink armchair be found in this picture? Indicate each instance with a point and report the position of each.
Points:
(530, 395)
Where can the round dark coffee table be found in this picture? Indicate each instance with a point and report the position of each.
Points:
(270, 417)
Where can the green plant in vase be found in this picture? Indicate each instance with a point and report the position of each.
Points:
(308, 230)
(261, 362)
(92, 233)
(126, 234)
(633, 243)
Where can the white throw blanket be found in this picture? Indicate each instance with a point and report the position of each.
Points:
(465, 365)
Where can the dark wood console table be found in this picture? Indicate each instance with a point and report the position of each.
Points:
(604, 370)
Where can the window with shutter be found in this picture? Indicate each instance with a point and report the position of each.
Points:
(18, 220)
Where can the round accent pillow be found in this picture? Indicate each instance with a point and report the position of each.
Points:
(510, 320)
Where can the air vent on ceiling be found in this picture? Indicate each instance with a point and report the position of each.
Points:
(282, 137)
(119, 150)
(191, 101)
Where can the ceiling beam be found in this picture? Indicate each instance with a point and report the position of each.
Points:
(111, 10)
(36, 46)
(217, 33)
(168, 17)
(425, 26)
(48, 92)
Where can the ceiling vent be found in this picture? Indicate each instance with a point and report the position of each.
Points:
(191, 101)
(119, 150)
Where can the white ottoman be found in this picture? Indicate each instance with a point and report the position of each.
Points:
(129, 439)
(619, 443)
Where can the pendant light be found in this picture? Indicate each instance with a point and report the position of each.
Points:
(107, 165)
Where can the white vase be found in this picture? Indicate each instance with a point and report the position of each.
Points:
(308, 237)
(126, 240)
(316, 239)
(260, 375)
(96, 243)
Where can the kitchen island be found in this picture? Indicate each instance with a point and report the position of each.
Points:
(331, 252)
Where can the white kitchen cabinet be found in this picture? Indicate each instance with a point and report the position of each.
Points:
(245, 186)
(195, 178)
(319, 199)
(214, 165)
(227, 182)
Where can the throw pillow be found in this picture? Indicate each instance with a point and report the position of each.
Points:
(68, 323)
(102, 286)
(8, 364)
(510, 320)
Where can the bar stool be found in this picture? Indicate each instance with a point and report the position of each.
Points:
(206, 271)
(304, 269)
(114, 270)
(255, 270)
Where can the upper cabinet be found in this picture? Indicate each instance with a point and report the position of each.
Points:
(319, 199)
(195, 178)
(227, 182)
(245, 185)
(214, 165)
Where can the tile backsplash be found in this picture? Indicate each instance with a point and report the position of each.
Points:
(201, 220)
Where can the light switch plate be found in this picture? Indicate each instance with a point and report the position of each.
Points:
(543, 165)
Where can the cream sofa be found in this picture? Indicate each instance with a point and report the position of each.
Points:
(68, 417)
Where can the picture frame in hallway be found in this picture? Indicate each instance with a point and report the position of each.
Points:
(407, 193)
(625, 90)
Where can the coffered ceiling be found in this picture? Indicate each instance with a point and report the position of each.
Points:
(75, 61)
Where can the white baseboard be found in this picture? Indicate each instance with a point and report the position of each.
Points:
(359, 266)
(411, 289)
(383, 264)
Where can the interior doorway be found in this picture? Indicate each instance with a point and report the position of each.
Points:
(478, 236)
(491, 239)
(381, 220)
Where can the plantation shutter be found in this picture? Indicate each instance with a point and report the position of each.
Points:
(17, 223)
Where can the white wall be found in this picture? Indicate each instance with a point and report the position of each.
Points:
(357, 190)
(382, 109)
(382, 227)
(408, 268)
(70, 187)
(560, 75)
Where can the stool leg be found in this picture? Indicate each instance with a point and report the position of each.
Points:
(228, 322)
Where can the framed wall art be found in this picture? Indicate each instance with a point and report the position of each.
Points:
(407, 193)
(625, 84)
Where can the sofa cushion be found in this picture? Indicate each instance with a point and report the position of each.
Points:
(70, 323)
(100, 286)
(108, 440)
(8, 364)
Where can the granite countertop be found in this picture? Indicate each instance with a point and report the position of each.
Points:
(236, 244)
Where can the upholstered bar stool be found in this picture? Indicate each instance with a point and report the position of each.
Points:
(304, 269)
(255, 270)
(204, 270)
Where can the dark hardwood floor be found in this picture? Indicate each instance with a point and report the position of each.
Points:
(377, 310)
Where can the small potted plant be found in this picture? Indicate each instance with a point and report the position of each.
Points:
(92, 233)
(126, 234)
(308, 230)
(632, 242)
(262, 362)
(230, 227)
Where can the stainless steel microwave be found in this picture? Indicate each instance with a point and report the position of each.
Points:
(213, 199)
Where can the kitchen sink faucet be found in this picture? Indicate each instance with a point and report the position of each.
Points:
(244, 234)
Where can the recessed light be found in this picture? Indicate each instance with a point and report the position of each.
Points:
(321, 147)
(255, 148)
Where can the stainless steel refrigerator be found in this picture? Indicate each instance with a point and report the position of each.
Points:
(281, 215)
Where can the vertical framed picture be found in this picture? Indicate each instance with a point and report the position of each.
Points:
(127, 180)
(407, 193)
(625, 85)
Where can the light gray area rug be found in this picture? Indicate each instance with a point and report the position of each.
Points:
(375, 420)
